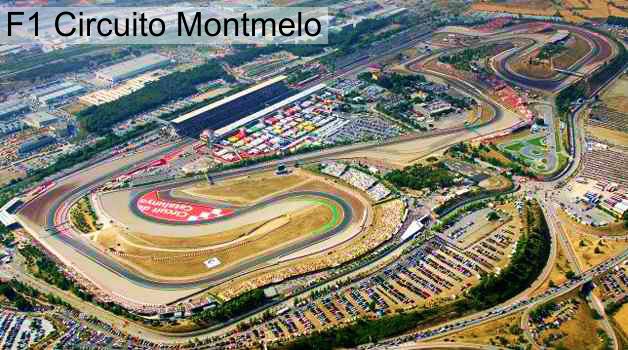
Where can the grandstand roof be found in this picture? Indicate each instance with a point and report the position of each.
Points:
(560, 35)
(227, 99)
(7, 217)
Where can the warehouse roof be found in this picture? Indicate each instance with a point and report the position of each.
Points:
(12, 106)
(130, 66)
(67, 91)
(41, 117)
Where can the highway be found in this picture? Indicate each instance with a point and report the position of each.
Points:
(502, 310)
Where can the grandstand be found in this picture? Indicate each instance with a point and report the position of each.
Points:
(609, 118)
(232, 108)
(606, 164)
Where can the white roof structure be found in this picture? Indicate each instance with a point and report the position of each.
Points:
(12, 107)
(621, 207)
(130, 68)
(415, 227)
(7, 218)
(560, 35)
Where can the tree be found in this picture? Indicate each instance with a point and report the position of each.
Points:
(100, 118)
(570, 275)
(492, 216)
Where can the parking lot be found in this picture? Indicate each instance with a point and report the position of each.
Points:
(18, 331)
(470, 228)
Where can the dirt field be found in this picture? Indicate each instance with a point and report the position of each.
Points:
(250, 189)
(611, 136)
(621, 318)
(541, 70)
(536, 7)
(489, 332)
(9, 174)
(580, 332)
(575, 11)
(496, 155)
(617, 96)
(75, 107)
(494, 183)
(174, 242)
(585, 248)
(576, 49)
(618, 12)
(211, 93)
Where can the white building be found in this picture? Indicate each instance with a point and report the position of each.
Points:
(7, 212)
(131, 68)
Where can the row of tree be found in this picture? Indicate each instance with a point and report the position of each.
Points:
(394, 82)
(99, 119)
(462, 59)
(240, 305)
(7, 290)
(417, 177)
(527, 263)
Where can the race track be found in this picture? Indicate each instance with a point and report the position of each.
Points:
(102, 258)
(600, 52)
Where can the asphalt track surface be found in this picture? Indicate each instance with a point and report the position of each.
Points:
(103, 259)
(601, 51)
(238, 210)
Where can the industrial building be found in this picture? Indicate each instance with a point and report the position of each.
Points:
(61, 96)
(40, 120)
(35, 144)
(131, 68)
(57, 93)
(232, 108)
(13, 109)
(434, 108)
(62, 129)
(107, 95)
(50, 88)
(12, 127)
